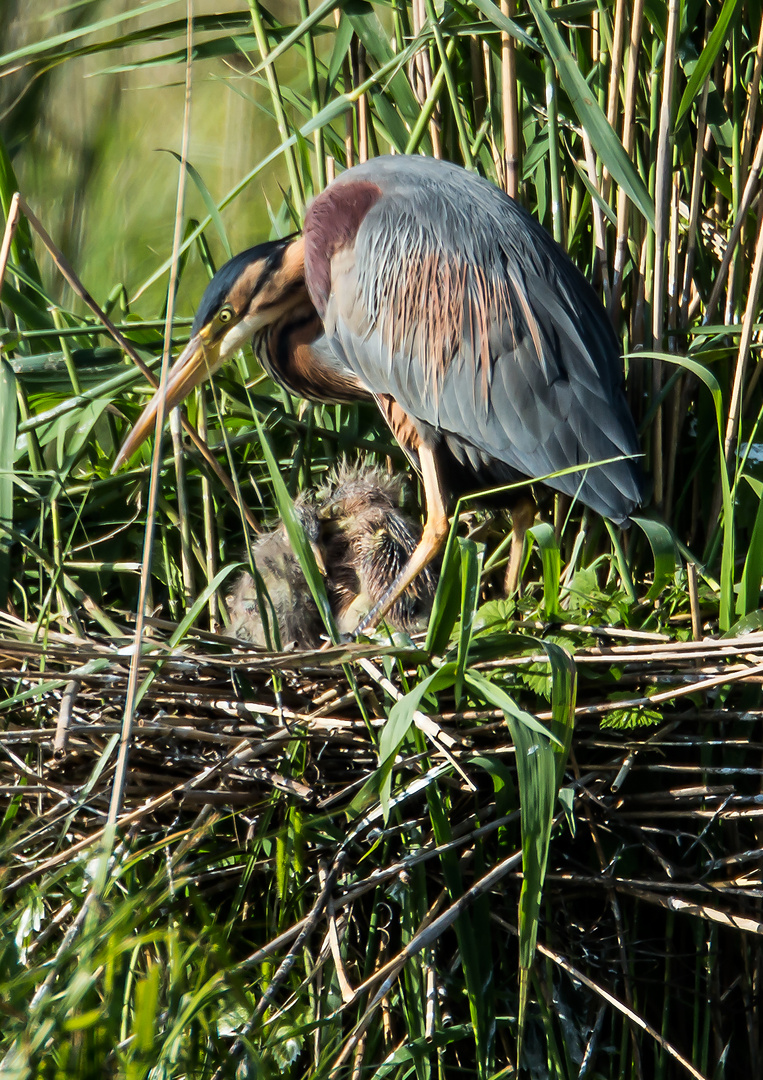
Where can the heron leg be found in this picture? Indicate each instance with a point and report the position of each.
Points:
(522, 517)
(432, 539)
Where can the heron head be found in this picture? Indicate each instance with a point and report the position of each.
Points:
(246, 294)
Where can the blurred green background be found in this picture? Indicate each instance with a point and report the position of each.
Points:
(90, 139)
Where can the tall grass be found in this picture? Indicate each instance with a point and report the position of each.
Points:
(634, 134)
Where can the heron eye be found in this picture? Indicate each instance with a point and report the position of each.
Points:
(224, 315)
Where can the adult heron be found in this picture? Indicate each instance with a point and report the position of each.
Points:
(425, 288)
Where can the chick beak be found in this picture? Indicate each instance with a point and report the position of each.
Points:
(198, 360)
(319, 559)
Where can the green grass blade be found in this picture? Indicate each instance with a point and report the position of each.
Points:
(45, 45)
(445, 606)
(470, 580)
(702, 68)
(622, 562)
(209, 203)
(308, 24)
(727, 553)
(296, 533)
(21, 246)
(543, 534)
(494, 695)
(494, 15)
(536, 775)
(748, 599)
(399, 724)
(564, 681)
(663, 549)
(340, 50)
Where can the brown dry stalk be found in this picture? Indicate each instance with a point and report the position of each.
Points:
(621, 1007)
(750, 191)
(629, 123)
(510, 107)
(745, 340)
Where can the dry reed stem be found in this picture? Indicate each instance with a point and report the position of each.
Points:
(184, 509)
(674, 415)
(510, 108)
(115, 806)
(745, 340)
(210, 544)
(602, 270)
(632, 1016)
(429, 929)
(629, 128)
(9, 232)
(361, 106)
(349, 140)
(750, 191)
(64, 718)
(697, 184)
(752, 104)
(615, 74)
(421, 75)
(662, 217)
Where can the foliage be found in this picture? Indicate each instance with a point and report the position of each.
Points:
(635, 136)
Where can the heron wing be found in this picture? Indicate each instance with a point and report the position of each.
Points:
(457, 304)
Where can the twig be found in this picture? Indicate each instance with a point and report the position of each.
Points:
(750, 191)
(696, 615)
(429, 932)
(612, 1000)
(64, 718)
(745, 340)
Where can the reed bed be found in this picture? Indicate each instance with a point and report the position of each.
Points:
(666, 805)
(526, 843)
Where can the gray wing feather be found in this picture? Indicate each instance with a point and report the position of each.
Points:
(463, 309)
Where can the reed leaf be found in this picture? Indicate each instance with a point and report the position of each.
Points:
(543, 534)
(707, 58)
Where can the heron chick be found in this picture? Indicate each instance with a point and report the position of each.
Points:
(362, 539)
(284, 590)
(368, 541)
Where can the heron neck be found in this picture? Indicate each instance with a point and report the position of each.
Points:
(286, 349)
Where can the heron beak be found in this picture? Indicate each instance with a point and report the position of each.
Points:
(198, 360)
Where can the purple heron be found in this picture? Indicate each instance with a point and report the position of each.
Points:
(425, 288)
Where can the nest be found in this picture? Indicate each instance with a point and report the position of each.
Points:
(217, 725)
(214, 722)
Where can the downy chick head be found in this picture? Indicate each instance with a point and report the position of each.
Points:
(285, 592)
(368, 540)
